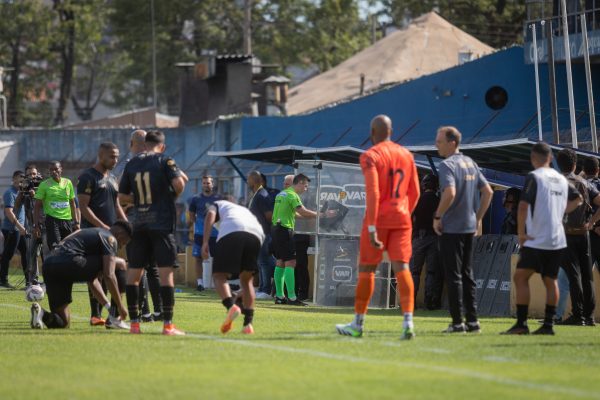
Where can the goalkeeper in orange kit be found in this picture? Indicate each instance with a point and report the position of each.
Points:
(392, 187)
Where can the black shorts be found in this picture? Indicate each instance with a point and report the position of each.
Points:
(282, 242)
(147, 247)
(60, 272)
(236, 252)
(544, 262)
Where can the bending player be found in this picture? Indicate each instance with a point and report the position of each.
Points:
(392, 187)
(236, 252)
(81, 257)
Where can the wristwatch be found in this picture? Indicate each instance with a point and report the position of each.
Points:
(372, 229)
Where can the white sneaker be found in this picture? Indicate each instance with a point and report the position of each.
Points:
(115, 323)
(36, 316)
(263, 296)
(349, 330)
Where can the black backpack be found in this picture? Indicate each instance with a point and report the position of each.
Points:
(581, 215)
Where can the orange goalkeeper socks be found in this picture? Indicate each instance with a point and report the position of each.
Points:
(364, 290)
(406, 288)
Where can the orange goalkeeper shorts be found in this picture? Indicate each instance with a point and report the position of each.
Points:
(397, 242)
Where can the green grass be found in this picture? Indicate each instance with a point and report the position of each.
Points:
(295, 354)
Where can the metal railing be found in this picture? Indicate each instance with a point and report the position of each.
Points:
(573, 22)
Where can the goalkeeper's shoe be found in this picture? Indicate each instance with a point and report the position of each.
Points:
(248, 329)
(36, 316)
(170, 330)
(408, 333)
(349, 330)
(232, 314)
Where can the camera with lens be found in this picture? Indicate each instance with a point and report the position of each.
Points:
(30, 183)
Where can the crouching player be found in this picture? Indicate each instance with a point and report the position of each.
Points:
(81, 257)
(392, 187)
(238, 245)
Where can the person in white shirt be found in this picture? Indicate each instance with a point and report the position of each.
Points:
(238, 246)
(546, 197)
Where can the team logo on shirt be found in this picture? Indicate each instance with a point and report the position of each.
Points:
(112, 241)
(171, 164)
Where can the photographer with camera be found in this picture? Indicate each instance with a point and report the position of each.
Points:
(57, 198)
(13, 229)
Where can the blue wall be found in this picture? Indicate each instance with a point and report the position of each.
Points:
(451, 97)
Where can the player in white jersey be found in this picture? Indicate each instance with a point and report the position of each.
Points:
(238, 245)
(547, 196)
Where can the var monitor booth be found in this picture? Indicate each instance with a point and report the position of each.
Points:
(337, 184)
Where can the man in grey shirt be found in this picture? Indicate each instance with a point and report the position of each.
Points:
(456, 220)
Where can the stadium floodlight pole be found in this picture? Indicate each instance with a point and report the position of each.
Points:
(537, 81)
(565, 23)
(588, 80)
(154, 99)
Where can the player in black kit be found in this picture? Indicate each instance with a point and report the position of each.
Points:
(81, 257)
(152, 182)
(97, 193)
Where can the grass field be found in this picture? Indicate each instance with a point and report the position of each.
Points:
(295, 354)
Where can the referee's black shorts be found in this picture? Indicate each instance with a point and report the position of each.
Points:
(544, 262)
(282, 242)
(236, 252)
(148, 246)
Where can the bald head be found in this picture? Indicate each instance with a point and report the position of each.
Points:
(381, 128)
(288, 180)
(138, 140)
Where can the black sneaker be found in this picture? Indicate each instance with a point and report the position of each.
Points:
(296, 302)
(280, 300)
(147, 318)
(200, 288)
(544, 330)
(572, 321)
(473, 327)
(157, 316)
(455, 328)
(590, 321)
(517, 330)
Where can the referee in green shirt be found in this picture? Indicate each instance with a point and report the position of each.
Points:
(57, 198)
(287, 205)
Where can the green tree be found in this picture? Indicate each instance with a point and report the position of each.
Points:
(495, 22)
(280, 31)
(81, 46)
(24, 33)
(184, 30)
(336, 32)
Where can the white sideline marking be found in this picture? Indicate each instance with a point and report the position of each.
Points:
(447, 370)
(434, 350)
(500, 359)
(405, 364)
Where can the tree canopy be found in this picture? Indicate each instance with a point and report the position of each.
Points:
(88, 52)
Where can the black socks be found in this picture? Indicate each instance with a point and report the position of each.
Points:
(133, 293)
(167, 293)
